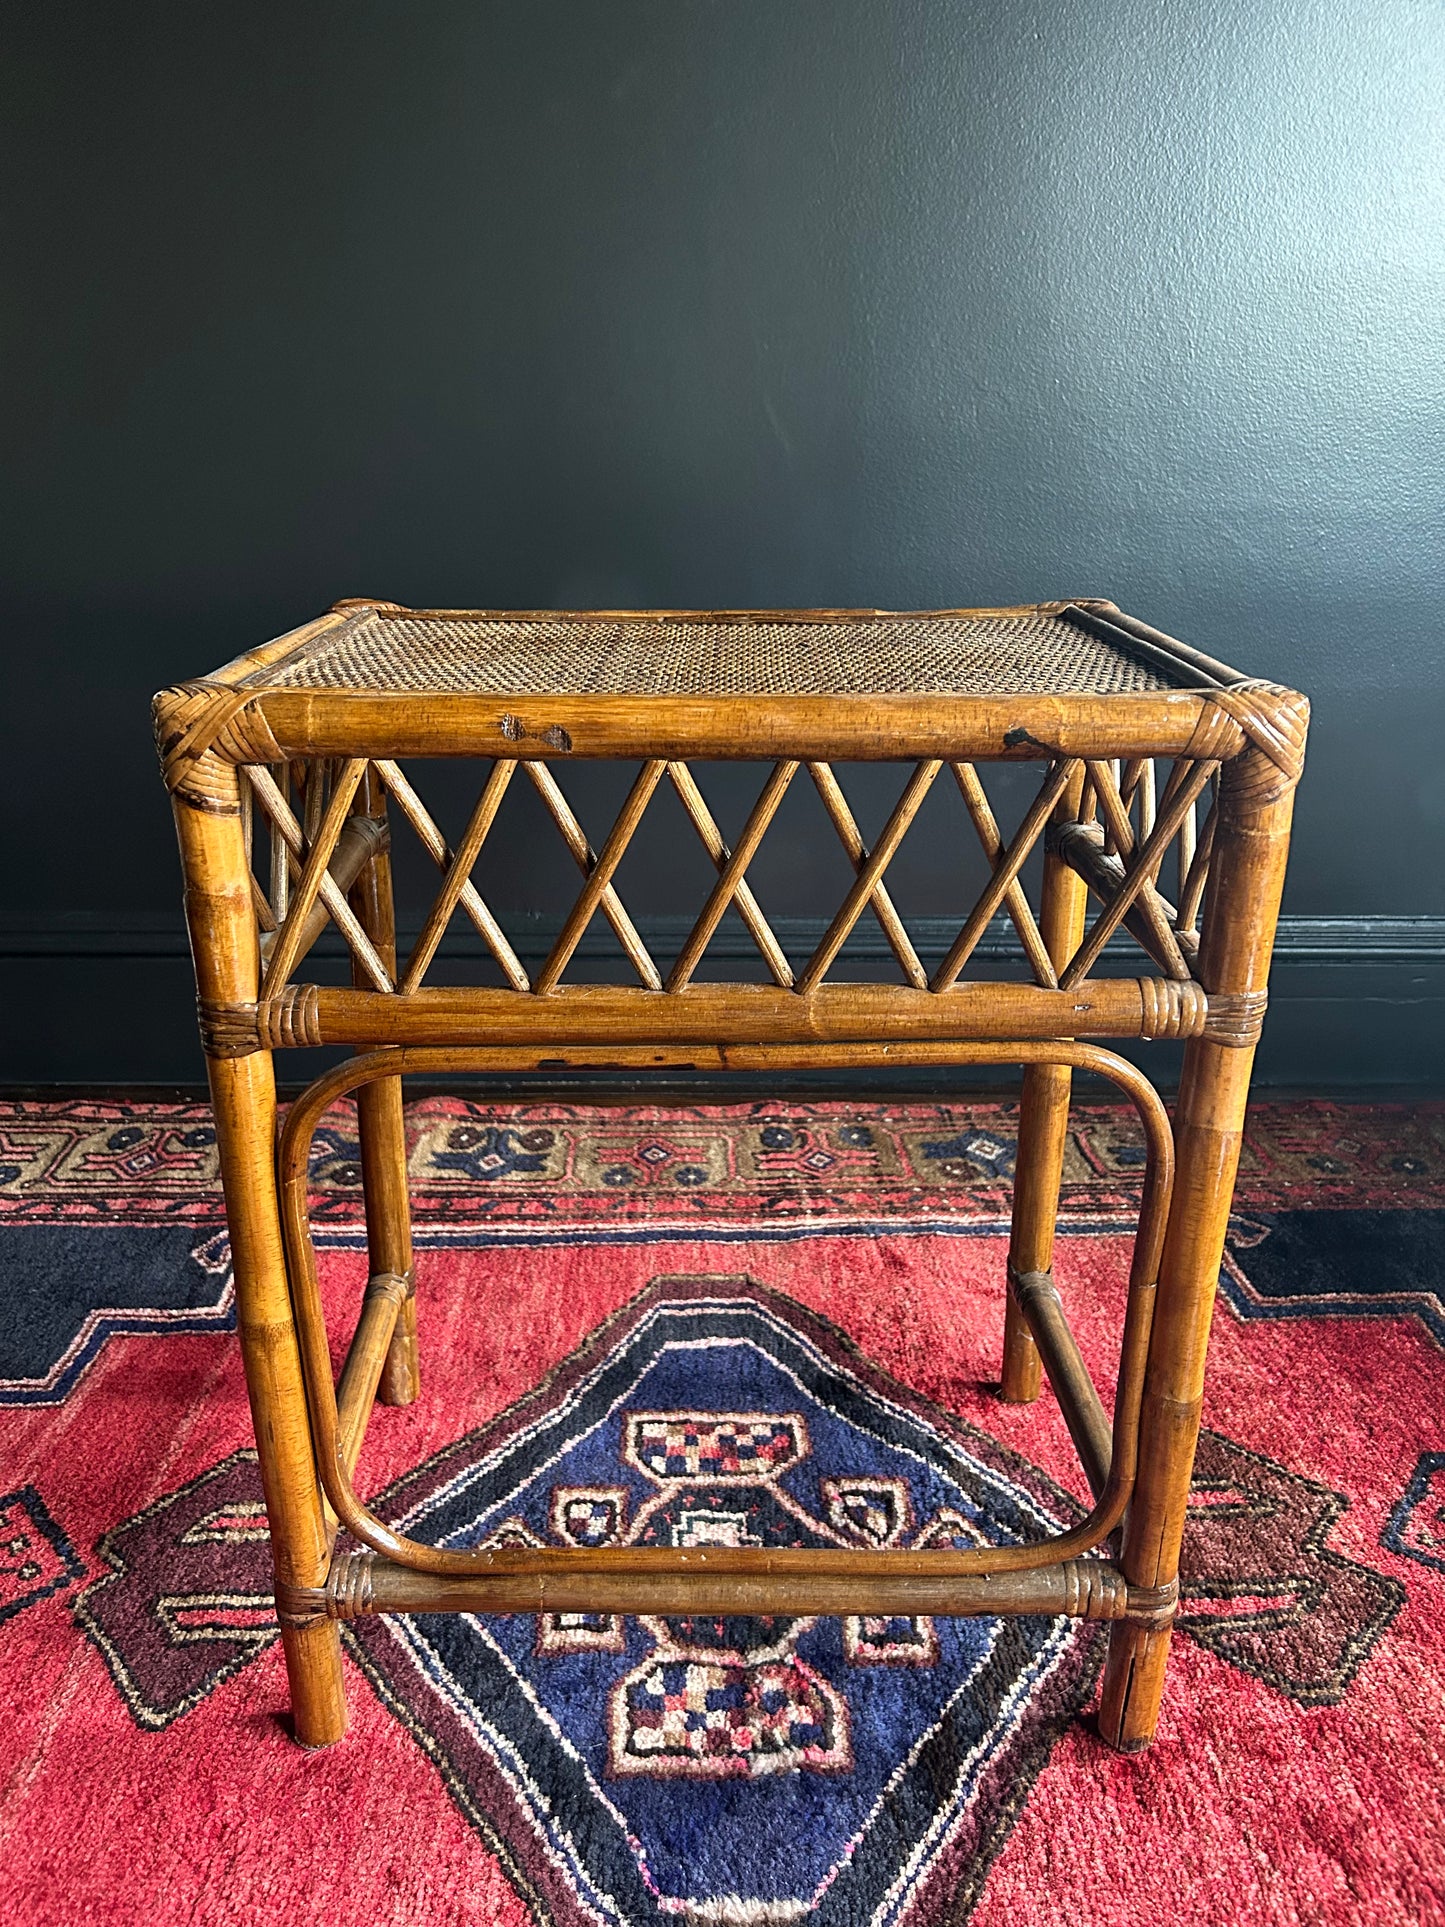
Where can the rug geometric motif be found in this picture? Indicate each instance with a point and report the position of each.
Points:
(714, 1411)
(644, 1755)
(146, 1162)
(71, 1287)
(36, 1558)
(143, 1178)
(1318, 1801)
(186, 1598)
(1338, 1264)
(1260, 1587)
(1416, 1527)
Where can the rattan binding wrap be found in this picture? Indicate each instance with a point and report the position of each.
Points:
(1171, 1009)
(348, 1585)
(1264, 727)
(202, 727)
(714, 654)
(228, 1030)
(290, 1020)
(1236, 1018)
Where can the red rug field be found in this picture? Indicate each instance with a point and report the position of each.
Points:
(614, 1304)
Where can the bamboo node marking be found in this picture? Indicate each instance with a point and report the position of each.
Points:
(348, 1584)
(1169, 1008)
(1236, 1017)
(202, 729)
(291, 1019)
(228, 1030)
(1093, 1590)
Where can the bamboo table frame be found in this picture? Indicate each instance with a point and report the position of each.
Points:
(234, 744)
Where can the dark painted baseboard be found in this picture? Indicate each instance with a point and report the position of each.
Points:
(1356, 1002)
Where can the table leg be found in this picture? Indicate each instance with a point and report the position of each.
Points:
(1043, 1123)
(243, 1093)
(388, 1227)
(381, 1123)
(1247, 878)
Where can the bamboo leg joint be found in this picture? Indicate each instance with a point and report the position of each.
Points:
(1154, 1608)
(228, 1030)
(394, 1286)
(386, 1292)
(1171, 1007)
(202, 729)
(300, 1607)
(1094, 1590)
(348, 1593)
(291, 1019)
(1236, 1017)
(1028, 1287)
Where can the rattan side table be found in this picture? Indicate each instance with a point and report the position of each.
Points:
(304, 738)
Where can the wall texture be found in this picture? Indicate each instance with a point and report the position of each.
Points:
(718, 302)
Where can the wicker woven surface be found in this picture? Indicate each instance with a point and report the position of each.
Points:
(693, 655)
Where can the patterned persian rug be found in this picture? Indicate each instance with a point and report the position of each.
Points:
(767, 1324)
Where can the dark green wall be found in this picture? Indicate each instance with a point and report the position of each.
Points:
(674, 302)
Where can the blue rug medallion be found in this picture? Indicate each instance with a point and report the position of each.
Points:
(733, 1769)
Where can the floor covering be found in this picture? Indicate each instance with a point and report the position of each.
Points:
(763, 1323)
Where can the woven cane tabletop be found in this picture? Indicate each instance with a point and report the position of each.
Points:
(767, 653)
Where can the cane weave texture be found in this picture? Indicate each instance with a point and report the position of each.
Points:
(714, 655)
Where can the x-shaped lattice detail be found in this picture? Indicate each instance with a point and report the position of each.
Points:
(1139, 860)
(306, 859)
(1119, 861)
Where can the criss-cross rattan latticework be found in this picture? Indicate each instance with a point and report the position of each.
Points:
(1161, 811)
(1118, 845)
